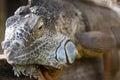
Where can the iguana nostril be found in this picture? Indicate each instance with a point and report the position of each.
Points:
(17, 44)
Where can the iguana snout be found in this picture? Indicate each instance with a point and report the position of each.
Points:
(18, 34)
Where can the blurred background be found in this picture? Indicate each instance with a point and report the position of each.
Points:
(7, 8)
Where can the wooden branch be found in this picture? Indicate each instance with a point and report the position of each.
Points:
(2, 57)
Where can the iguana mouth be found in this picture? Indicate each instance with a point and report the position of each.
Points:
(44, 52)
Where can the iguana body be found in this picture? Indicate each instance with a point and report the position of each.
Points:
(53, 33)
(112, 4)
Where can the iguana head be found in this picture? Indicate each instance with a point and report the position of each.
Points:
(31, 38)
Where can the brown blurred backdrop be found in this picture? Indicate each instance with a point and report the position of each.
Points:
(7, 8)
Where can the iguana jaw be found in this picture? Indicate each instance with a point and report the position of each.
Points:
(54, 51)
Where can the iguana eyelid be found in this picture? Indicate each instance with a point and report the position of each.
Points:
(26, 16)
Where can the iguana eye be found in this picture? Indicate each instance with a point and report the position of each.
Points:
(40, 25)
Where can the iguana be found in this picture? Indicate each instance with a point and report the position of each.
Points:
(47, 35)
